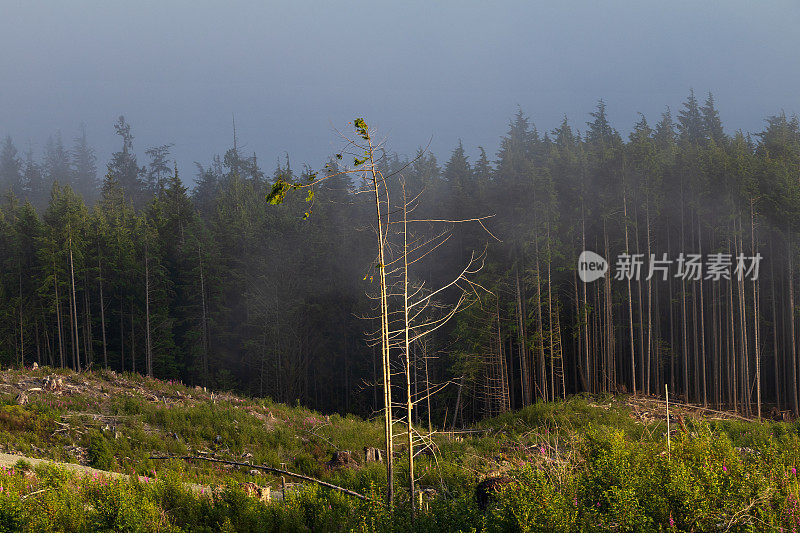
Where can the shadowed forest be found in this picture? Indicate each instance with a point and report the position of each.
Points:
(130, 269)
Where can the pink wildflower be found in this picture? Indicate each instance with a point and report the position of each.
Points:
(724, 468)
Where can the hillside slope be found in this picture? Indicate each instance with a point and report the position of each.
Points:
(587, 463)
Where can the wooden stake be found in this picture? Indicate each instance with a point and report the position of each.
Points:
(669, 445)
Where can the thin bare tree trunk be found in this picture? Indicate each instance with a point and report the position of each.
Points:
(88, 334)
(756, 351)
(702, 324)
(609, 324)
(550, 318)
(523, 355)
(503, 366)
(133, 344)
(734, 384)
(71, 333)
(585, 310)
(58, 315)
(630, 297)
(76, 343)
(102, 311)
(38, 350)
(427, 384)
(640, 302)
(387, 390)
(579, 371)
(649, 346)
(148, 340)
(407, 326)
(793, 359)
(715, 367)
(21, 327)
(542, 378)
(204, 326)
(774, 331)
(50, 349)
(673, 369)
(745, 367)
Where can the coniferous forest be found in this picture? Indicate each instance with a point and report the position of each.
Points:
(191, 274)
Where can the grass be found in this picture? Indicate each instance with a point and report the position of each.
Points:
(583, 464)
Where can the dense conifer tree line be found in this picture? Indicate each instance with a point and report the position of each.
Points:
(216, 287)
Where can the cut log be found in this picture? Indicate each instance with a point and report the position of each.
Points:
(267, 469)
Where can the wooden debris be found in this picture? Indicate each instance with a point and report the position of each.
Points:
(340, 459)
(253, 490)
(373, 455)
(485, 490)
(267, 469)
(53, 383)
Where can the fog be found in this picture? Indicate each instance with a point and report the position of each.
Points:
(291, 71)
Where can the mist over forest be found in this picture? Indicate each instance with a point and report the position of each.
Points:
(399, 267)
(127, 267)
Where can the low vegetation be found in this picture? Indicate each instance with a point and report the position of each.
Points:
(584, 464)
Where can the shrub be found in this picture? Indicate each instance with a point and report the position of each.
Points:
(10, 513)
(99, 452)
(535, 502)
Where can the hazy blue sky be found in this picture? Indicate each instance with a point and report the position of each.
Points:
(292, 70)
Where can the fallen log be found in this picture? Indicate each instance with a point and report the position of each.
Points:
(267, 469)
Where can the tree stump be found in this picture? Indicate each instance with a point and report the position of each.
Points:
(486, 489)
(372, 455)
(340, 458)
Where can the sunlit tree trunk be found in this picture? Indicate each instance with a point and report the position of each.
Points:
(649, 347)
(702, 324)
(791, 317)
(525, 380)
(775, 330)
(630, 296)
(407, 353)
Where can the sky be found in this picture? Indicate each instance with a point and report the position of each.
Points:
(292, 72)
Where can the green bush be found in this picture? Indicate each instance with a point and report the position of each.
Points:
(535, 502)
(10, 513)
(99, 452)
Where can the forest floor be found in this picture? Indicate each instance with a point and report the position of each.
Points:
(108, 424)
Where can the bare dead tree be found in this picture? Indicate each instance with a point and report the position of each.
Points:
(419, 311)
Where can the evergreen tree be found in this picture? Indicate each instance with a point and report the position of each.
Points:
(84, 168)
(124, 167)
(10, 165)
(56, 163)
(691, 125)
(711, 121)
(33, 184)
(158, 170)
